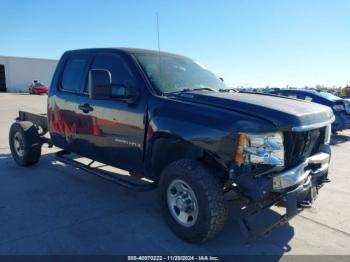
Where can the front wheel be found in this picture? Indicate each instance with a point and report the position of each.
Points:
(192, 201)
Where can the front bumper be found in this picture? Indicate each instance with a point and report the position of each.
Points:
(293, 201)
(40, 91)
(294, 189)
(314, 166)
(342, 121)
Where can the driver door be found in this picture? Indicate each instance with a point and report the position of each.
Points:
(117, 128)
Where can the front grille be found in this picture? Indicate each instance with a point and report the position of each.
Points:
(300, 145)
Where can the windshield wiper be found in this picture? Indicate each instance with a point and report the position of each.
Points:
(192, 89)
(198, 89)
(228, 90)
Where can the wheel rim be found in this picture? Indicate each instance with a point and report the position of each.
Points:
(18, 144)
(182, 203)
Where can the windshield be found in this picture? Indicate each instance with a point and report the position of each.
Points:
(328, 96)
(174, 74)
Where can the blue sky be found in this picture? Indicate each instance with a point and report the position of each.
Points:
(250, 43)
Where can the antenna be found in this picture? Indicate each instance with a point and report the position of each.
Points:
(158, 32)
(159, 59)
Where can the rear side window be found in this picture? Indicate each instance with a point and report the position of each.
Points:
(73, 74)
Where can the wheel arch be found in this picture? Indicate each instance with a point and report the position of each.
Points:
(165, 149)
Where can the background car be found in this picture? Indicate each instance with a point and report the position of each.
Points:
(340, 106)
(38, 88)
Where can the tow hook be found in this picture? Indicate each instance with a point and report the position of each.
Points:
(326, 180)
(305, 204)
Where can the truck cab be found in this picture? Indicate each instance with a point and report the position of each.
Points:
(167, 119)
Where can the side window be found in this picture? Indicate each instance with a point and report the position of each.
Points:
(73, 73)
(282, 94)
(305, 97)
(291, 95)
(308, 98)
(120, 72)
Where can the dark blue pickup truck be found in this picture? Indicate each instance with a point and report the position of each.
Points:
(173, 125)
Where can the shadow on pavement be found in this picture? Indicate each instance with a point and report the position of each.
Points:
(51, 208)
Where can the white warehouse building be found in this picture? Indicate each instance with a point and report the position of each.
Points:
(17, 73)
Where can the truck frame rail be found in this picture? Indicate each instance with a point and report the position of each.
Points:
(40, 120)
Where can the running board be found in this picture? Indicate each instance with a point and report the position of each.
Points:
(110, 176)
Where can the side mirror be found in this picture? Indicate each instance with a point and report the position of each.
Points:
(100, 84)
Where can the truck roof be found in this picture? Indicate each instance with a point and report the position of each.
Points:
(126, 50)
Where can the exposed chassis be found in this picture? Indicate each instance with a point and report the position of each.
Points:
(40, 121)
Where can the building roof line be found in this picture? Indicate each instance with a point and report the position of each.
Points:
(30, 58)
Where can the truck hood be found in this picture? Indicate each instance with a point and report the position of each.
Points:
(285, 113)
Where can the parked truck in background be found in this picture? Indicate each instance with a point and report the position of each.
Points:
(172, 124)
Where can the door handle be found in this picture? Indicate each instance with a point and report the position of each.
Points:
(86, 108)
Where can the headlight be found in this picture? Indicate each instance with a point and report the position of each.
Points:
(338, 108)
(266, 148)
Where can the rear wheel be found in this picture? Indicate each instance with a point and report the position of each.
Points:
(192, 201)
(25, 143)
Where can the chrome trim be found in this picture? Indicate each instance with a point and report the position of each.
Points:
(327, 135)
(298, 174)
(313, 126)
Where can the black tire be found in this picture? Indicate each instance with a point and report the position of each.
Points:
(30, 146)
(208, 190)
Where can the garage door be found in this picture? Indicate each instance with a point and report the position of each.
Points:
(2, 79)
